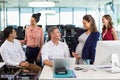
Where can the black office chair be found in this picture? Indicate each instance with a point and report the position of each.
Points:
(20, 33)
(1, 38)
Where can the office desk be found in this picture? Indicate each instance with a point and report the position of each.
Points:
(1, 64)
(47, 74)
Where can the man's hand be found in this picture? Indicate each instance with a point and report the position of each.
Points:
(48, 63)
(24, 64)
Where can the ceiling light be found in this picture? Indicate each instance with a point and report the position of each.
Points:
(42, 4)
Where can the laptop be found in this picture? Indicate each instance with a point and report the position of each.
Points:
(68, 63)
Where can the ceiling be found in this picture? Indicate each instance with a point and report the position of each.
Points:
(61, 3)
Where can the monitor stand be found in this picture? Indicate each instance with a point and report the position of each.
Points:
(115, 64)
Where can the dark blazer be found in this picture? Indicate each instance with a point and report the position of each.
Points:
(89, 48)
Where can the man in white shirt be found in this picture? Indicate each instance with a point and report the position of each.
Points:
(54, 48)
(12, 52)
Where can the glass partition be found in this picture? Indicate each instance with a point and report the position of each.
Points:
(25, 15)
(2, 15)
(78, 16)
(66, 16)
(13, 16)
(56, 15)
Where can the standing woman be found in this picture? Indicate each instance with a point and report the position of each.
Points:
(34, 40)
(86, 41)
(108, 31)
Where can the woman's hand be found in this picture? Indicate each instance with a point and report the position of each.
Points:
(76, 55)
(38, 57)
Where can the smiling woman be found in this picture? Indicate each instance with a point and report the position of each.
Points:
(34, 40)
(85, 43)
(108, 31)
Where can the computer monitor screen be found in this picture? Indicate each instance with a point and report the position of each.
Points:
(104, 50)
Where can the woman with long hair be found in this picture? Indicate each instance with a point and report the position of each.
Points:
(86, 41)
(108, 31)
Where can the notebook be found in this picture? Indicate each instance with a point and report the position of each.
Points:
(70, 74)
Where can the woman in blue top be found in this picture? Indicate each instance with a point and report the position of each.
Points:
(85, 42)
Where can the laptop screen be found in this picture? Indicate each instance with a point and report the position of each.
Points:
(68, 63)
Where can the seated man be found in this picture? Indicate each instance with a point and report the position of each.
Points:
(12, 52)
(54, 48)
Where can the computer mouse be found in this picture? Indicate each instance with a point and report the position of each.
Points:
(78, 68)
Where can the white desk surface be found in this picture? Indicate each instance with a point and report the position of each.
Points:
(1, 64)
(47, 74)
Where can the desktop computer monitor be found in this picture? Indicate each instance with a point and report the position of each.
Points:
(104, 50)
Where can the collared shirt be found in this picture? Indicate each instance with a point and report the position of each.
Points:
(51, 51)
(34, 37)
(12, 52)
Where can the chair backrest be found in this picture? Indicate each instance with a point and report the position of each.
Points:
(20, 33)
(1, 38)
(1, 60)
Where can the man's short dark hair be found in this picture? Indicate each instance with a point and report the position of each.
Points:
(7, 31)
(50, 30)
